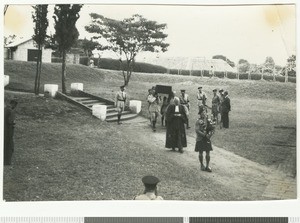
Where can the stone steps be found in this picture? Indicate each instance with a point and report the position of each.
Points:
(111, 113)
(123, 117)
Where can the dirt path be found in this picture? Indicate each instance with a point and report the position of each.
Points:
(244, 178)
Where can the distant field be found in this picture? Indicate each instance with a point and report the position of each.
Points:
(262, 120)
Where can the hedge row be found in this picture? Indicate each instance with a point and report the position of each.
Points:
(112, 64)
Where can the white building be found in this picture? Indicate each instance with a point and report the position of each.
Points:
(26, 50)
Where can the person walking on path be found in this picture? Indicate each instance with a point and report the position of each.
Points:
(215, 105)
(154, 108)
(201, 97)
(226, 108)
(204, 130)
(9, 128)
(163, 110)
(184, 100)
(221, 95)
(150, 193)
(147, 99)
(176, 118)
(120, 100)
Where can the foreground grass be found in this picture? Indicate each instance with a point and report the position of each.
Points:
(63, 153)
(258, 107)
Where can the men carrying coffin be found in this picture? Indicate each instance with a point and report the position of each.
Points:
(184, 100)
(215, 105)
(154, 108)
(120, 100)
(201, 97)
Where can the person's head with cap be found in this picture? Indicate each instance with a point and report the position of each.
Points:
(221, 91)
(199, 89)
(182, 91)
(215, 91)
(122, 87)
(150, 183)
(225, 93)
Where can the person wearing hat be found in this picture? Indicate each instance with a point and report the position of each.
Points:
(176, 118)
(204, 130)
(154, 108)
(120, 100)
(150, 192)
(9, 126)
(184, 100)
(221, 96)
(226, 108)
(215, 105)
(201, 97)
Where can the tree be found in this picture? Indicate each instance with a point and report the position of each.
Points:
(291, 65)
(244, 66)
(10, 39)
(88, 46)
(40, 20)
(269, 65)
(129, 37)
(231, 63)
(66, 33)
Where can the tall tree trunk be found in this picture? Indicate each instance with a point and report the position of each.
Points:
(36, 82)
(36, 76)
(40, 68)
(63, 75)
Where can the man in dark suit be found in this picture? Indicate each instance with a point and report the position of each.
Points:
(226, 107)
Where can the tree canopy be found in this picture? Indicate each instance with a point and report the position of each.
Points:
(129, 37)
(40, 20)
(65, 18)
(243, 66)
(66, 33)
(269, 63)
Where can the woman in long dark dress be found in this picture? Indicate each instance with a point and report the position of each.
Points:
(176, 118)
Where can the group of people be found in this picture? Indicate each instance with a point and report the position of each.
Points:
(175, 111)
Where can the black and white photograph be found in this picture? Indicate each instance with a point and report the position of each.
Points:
(165, 102)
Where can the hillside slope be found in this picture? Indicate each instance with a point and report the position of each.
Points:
(261, 110)
(22, 75)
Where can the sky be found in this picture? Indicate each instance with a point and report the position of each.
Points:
(251, 32)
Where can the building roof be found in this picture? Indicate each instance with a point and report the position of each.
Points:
(18, 42)
(191, 63)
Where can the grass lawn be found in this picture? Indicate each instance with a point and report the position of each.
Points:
(262, 129)
(63, 153)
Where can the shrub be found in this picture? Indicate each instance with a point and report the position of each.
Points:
(220, 74)
(196, 73)
(292, 79)
(56, 60)
(243, 76)
(255, 76)
(231, 75)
